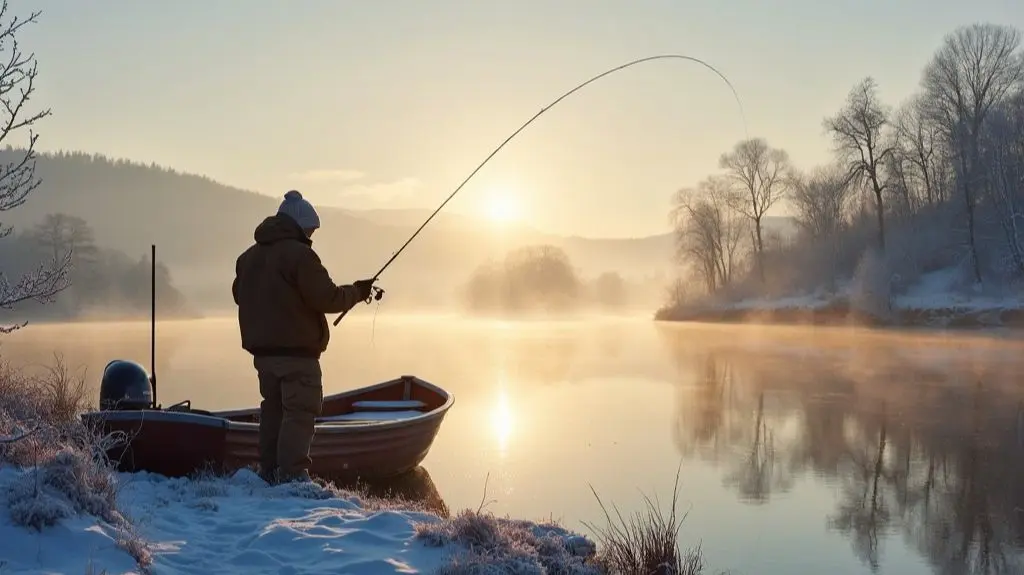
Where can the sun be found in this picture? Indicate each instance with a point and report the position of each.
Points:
(502, 207)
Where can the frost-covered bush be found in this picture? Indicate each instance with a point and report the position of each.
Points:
(70, 483)
(871, 286)
(44, 408)
(62, 470)
(494, 545)
(55, 467)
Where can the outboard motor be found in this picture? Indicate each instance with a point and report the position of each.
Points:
(125, 385)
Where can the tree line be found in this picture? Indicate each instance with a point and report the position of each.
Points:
(540, 278)
(936, 182)
(101, 281)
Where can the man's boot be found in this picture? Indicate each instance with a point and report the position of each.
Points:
(269, 475)
(302, 476)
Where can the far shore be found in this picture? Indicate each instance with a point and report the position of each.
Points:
(831, 314)
(843, 314)
(101, 318)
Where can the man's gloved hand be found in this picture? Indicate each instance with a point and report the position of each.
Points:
(364, 288)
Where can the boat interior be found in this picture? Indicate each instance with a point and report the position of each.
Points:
(402, 398)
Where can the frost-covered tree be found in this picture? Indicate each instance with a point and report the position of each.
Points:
(822, 200)
(1002, 157)
(919, 148)
(974, 70)
(18, 72)
(936, 182)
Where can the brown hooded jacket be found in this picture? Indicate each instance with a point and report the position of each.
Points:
(283, 291)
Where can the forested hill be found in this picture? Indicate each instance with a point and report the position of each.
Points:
(200, 226)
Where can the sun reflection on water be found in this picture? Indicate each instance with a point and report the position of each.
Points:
(502, 419)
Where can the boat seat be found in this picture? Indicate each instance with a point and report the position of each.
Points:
(389, 405)
(368, 416)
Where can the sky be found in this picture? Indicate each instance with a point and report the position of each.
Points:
(392, 103)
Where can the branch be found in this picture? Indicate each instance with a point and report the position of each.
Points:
(18, 72)
(9, 439)
(42, 285)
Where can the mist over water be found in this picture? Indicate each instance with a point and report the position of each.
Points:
(803, 451)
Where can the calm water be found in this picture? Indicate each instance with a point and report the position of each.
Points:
(803, 451)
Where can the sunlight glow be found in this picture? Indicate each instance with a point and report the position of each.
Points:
(502, 207)
(502, 421)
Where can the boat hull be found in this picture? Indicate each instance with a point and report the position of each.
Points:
(177, 443)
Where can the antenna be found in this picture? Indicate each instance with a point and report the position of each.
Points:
(152, 320)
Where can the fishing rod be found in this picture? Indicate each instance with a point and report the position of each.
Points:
(379, 293)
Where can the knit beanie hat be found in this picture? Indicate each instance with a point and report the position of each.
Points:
(299, 210)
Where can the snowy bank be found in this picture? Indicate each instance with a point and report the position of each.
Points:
(936, 300)
(63, 509)
(240, 524)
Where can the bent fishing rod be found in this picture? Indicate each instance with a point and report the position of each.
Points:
(378, 293)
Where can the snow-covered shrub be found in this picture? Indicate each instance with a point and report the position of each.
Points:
(70, 483)
(62, 470)
(871, 286)
(494, 545)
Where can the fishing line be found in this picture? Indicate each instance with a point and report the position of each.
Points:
(555, 102)
(373, 326)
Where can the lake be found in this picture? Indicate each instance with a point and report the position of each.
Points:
(803, 450)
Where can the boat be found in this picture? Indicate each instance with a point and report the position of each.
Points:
(374, 432)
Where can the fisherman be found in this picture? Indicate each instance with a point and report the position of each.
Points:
(283, 292)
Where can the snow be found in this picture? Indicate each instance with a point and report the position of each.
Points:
(234, 524)
(801, 301)
(237, 524)
(938, 290)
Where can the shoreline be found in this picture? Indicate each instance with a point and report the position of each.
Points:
(238, 523)
(832, 314)
(95, 319)
(844, 315)
(68, 508)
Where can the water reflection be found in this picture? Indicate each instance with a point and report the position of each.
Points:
(415, 486)
(36, 346)
(802, 446)
(915, 446)
(502, 420)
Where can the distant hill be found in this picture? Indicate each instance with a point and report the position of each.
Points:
(200, 226)
(640, 256)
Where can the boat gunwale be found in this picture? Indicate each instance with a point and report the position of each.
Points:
(222, 419)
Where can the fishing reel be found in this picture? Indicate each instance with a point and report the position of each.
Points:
(376, 294)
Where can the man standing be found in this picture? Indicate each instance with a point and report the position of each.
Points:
(283, 292)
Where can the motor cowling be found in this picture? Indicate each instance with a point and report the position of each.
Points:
(125, 385)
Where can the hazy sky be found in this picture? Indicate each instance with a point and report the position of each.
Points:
(391, 103)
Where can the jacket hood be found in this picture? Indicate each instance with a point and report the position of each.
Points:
(278, 228)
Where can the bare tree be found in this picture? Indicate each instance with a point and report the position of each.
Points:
(760, 175)
(822, 200)
(708, 231)
(918, 143)
(898, 180)
(1002, 156)
(974, 69)
(857, 132)
(62, 233)
(18, 73)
